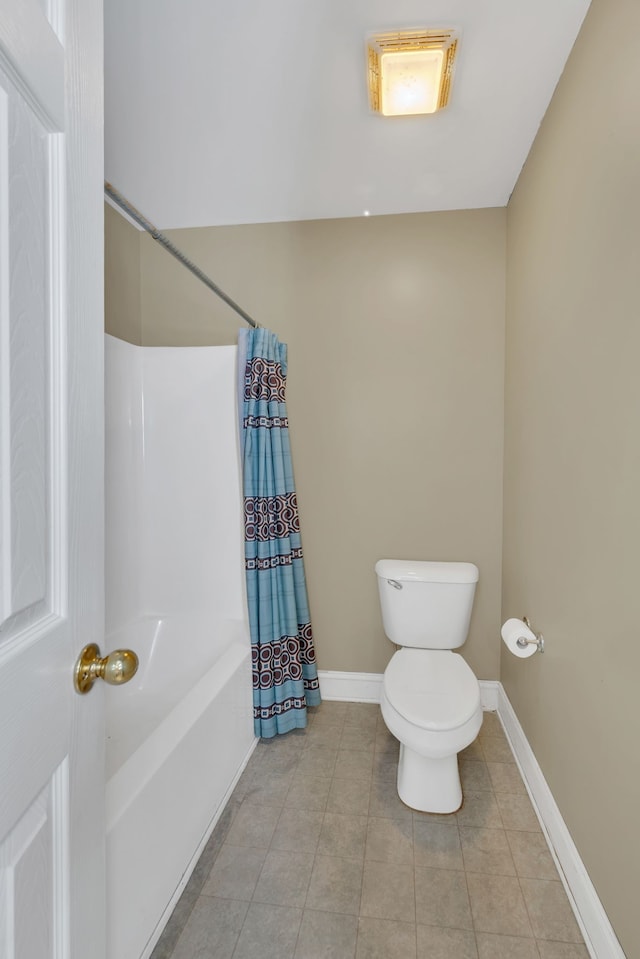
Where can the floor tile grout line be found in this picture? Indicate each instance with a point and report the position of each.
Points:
(526, 906)
(415, 878)
(466, 884)
(304, 905)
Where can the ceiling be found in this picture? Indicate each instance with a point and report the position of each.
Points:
(249, 111)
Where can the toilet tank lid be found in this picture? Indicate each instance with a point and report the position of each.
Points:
(421, 571)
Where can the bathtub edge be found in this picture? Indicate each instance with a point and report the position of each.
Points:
(166, 915)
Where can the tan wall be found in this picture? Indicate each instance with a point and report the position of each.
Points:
(395, 328)
(122, 305)
(572, 451)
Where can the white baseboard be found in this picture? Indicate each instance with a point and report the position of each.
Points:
(367, 688)
(490, 693)
(600, 939)
(350, 687)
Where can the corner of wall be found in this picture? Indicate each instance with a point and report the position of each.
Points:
(122, 286)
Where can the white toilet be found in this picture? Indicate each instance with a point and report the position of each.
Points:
(430, 697)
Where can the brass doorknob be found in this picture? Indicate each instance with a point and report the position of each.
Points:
(118, 667)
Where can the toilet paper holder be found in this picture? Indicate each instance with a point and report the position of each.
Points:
(522, 642)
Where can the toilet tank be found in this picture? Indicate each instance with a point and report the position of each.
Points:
(426, 605)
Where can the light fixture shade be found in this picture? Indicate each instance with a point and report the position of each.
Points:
(410, 73)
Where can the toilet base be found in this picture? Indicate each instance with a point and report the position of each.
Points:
(429, 785)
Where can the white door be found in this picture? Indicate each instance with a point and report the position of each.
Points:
(51, 478)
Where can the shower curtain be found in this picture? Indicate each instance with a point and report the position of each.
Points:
(285, 677)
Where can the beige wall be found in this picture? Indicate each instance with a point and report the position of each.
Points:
(122, 304)
(572, 451)
(395, 327)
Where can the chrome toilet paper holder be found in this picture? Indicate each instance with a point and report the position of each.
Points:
(522, 642)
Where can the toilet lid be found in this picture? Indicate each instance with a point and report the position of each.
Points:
(431, 688)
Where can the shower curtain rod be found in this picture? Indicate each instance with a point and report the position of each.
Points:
(165, 242)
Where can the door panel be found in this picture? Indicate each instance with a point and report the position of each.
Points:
(33, 871)
(25, 441)
(51, 469)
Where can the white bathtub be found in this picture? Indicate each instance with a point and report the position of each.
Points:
(178, 737)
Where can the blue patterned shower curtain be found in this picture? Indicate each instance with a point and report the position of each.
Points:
(285, 677)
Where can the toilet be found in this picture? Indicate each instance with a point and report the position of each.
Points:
(430, 696)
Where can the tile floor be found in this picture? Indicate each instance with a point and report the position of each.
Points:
(315, 856)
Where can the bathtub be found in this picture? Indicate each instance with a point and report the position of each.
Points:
(178, 736)
(180, 732)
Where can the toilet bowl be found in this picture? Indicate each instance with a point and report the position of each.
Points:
(430, 697)
(431, 704)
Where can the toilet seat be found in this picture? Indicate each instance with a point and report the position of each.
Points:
(432, 689)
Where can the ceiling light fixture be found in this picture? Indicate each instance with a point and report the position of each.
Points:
(410, 72)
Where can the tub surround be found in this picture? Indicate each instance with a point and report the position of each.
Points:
(173, 490)
(177, 599)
